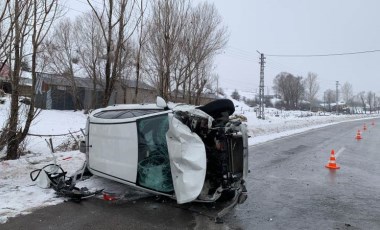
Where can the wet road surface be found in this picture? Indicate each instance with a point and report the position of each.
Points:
(288, 187)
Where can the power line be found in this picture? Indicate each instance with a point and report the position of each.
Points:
(280, 66)
(238, 57)
(244, 52)
(322, 55)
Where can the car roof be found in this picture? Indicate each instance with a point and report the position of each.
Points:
(130, 106)
(125, 113)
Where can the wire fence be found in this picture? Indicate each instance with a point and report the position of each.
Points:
(48, 138)
(53, 135)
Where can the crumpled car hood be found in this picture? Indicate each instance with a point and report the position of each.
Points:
(187, 155)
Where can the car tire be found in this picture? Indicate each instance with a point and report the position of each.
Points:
(215, 108)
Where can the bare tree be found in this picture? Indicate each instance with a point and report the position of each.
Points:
(212, 85)
(347, 93)
(90, 45)
(6, 27)
(127, 67)
(362, 98)
(32, 20)
(203, 75)
(204, 37)
(6, 38)
(184, 41)
(329, 98)
(142, 38)
(370, 100)
(114, 18)
(376, 103)
(61, 56)
(20, 17)
(290, 88)
(356, 103)
(167, 24)
(311, 86)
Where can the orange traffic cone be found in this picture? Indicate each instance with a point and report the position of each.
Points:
(364, 127)
(358, 135)
(332, 163)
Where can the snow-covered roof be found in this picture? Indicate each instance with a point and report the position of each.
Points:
(54, 79)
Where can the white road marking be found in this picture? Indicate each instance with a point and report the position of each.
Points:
(339, 152)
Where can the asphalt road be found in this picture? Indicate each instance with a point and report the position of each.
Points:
(289, 188)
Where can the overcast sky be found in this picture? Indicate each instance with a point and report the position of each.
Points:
(298, 27)
(301, 27)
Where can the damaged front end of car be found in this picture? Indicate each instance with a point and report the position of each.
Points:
(220, 157)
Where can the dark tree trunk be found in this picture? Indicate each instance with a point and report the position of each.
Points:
(12, 140)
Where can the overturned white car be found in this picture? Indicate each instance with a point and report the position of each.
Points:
(188, 153)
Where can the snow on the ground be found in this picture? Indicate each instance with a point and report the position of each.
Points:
(279, 123)
(19, 195)
(48, 122)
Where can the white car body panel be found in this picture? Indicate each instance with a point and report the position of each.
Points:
(113, 149)
(187, 156)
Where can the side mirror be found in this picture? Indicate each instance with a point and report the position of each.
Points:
(160, 102)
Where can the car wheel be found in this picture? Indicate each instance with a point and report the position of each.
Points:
(215, 108)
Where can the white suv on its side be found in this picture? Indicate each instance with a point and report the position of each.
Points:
(188, 153)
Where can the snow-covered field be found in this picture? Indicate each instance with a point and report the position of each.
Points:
(19, 195)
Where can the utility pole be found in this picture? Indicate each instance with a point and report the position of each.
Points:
(261, 91)
(337, 96)
(324, 103)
